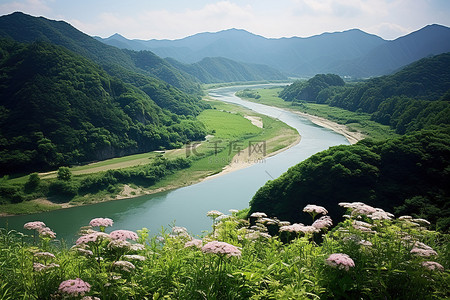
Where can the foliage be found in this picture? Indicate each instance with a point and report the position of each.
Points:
(64, 173)
(174, 265)
(247, 93)
(63, 109)
(312, 90)
(407, 175)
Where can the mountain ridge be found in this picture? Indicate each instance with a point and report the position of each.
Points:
(351, 52)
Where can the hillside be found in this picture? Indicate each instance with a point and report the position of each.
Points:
(59, 108)
(348, 53)
(219, 69)
(415, 97)
(26, 29)
(407, 176)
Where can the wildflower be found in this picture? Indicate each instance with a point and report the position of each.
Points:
(358, 208)
(34, 225)
(179, 230)
(322, 222)
(44, 255)
(405, 218)
(265, 235)
(421, 221)
(222, 217)
(38, 267)
(84, 252)
(119, 244)
(92, 237)
(124, 265)
(340, 261)
(423, 252)
(90, 298)
(315, 210)
(123, 235)
(258, 215)
(299, 228)
(74, 287)
(284, 223)
(233, 211)
(137, 247)
(46, 232)
(421, 245)
(194, 243)
(221, 248)
(362, 226)
(267, 221)
(213, 214)
(365, 243)
(431, 265)
(380, 214)
(101, 222)
(134, 257)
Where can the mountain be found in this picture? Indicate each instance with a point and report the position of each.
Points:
(219, 69)
(60, 108)
(25, 28)
(413, 98)
(348, 53)
(392, 55)
(405, 176)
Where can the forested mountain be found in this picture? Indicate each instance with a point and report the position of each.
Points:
(310, 89)
(57, 107)
(219, 69)
(349, 53)
(415, 97)
(25, 28)
(406, 176)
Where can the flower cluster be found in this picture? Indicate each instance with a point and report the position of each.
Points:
(221, 248)
(74, 287)
(101, 222)
(315, 209)
(194, 243)
(360, 209)
(123, 235)
(92, 238)
(38, 267)
(340, 261)
(41, 228)
(422, 249)
(213, 214)
(431, 265)
(124, 265)
(323, 222)
(299, 228)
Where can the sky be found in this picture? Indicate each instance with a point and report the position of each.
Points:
(174, 19)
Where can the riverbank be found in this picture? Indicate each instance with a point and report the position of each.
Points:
(231, 126)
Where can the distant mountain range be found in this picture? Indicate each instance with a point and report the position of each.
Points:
(348, 53)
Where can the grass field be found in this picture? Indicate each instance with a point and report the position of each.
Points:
(355, 121)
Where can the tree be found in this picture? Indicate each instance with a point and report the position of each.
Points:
(33, 182)
(64, 173)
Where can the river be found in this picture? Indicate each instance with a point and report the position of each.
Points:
(188, 206)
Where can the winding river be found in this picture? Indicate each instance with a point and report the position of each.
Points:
(187, 206)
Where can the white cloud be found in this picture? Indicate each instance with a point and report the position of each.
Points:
(33, 7)
(169, 24)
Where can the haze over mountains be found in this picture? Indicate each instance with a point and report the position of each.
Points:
(350, 53)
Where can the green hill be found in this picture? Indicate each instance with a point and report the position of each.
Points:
(58, 108)
(219, 69)
(406, 176)
(414, 98)
(24, 28)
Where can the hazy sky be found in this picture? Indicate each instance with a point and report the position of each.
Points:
(173, 19)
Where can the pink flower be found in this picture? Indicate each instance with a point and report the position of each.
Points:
(299, 228)
(423, 252)
(38, 267)
(431, 265)
(194, 243)
(258, 215)
(124, 265)
(74, 287)
(123, 235)
(101, 222)
(46, 232)
(221, 248)
(340, 261)
(323, 222)
(34, 225)
(315, 209)
(44, 254)
(92, 238)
